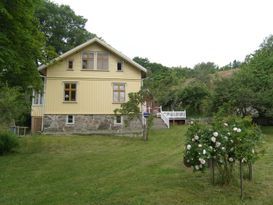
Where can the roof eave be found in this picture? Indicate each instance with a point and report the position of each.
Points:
(42, 67)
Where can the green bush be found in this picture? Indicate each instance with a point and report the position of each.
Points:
(8, 141)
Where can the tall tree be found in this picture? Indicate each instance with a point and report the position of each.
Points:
(63, 29)
(250, 91)
(20, 44)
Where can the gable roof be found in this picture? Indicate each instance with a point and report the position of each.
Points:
(93, 40)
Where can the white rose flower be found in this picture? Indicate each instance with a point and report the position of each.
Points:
(218, 144)
(239, 130)
(210, 147)
(199, 145)
(193, 139)
(230, 159)
(196, 137)
(188, 147)
(215, 134)
(228, 133)
(231, 141)
(188, 160)
(223, 148)
(225, 124)
(213, 139)
(196, 167)
(253, 151)
(204, 151)
(235, 129)
(191, 122)
(202, 161)
(244, 160)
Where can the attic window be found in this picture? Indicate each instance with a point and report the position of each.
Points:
(119, 66)
(70, 64)
(102, 60)
(88, 60)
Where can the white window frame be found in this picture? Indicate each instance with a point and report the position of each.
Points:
(113, 90)
(70, 60)
(122, 66)
(76, 94)
(70, 123)
(121, 120)
(40, 98)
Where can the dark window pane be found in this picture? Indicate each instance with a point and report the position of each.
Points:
(119, 66)
(118, 119)
(73, 95)
(84, 64)
(73, 86)
(66, 85)
(70, 64)
(70, 119)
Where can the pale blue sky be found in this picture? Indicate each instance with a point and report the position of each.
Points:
(179, 32)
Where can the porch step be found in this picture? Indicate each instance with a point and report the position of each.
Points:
(158, 124)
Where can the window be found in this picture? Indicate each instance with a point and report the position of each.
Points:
(37, 98)
(70, 119)
(119, 66)
(70, 64)
(88, 60)
(102, 60)
(118, 120)
(70, 92)
(119, 92)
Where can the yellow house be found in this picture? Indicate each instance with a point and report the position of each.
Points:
(82, 87)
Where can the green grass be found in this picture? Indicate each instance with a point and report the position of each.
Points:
(119, 170)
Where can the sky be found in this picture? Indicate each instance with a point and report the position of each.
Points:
(179, 32)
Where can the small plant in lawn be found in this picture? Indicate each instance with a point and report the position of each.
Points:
(8, 141)
(225, 142)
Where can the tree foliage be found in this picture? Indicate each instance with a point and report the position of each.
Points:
(21, 44)
(62, 28)
(13, 105)
(249, 91)
(132, 110)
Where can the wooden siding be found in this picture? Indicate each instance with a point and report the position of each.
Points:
(94, 87)
(93, 96)
(37, 110)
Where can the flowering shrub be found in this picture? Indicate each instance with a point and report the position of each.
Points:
(224, 142)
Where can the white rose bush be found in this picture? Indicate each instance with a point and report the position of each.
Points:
(223, 144)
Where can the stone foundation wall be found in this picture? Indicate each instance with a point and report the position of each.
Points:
(90, 124)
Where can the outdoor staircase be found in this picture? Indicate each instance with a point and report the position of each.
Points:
(158, 123)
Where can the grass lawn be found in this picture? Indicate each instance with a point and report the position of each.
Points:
(119, 170)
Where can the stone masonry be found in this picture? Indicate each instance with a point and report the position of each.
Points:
(90, 124)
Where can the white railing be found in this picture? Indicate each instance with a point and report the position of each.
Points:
(175, 114)
(165, 119)
(166, 116)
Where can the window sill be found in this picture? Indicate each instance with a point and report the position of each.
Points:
(69, 69)
(119, 71)
(118, 102)
(70, 102)
(37, 105)
(94, 70)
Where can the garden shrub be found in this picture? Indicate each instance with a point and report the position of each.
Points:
(8, 141)
(224, 142)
